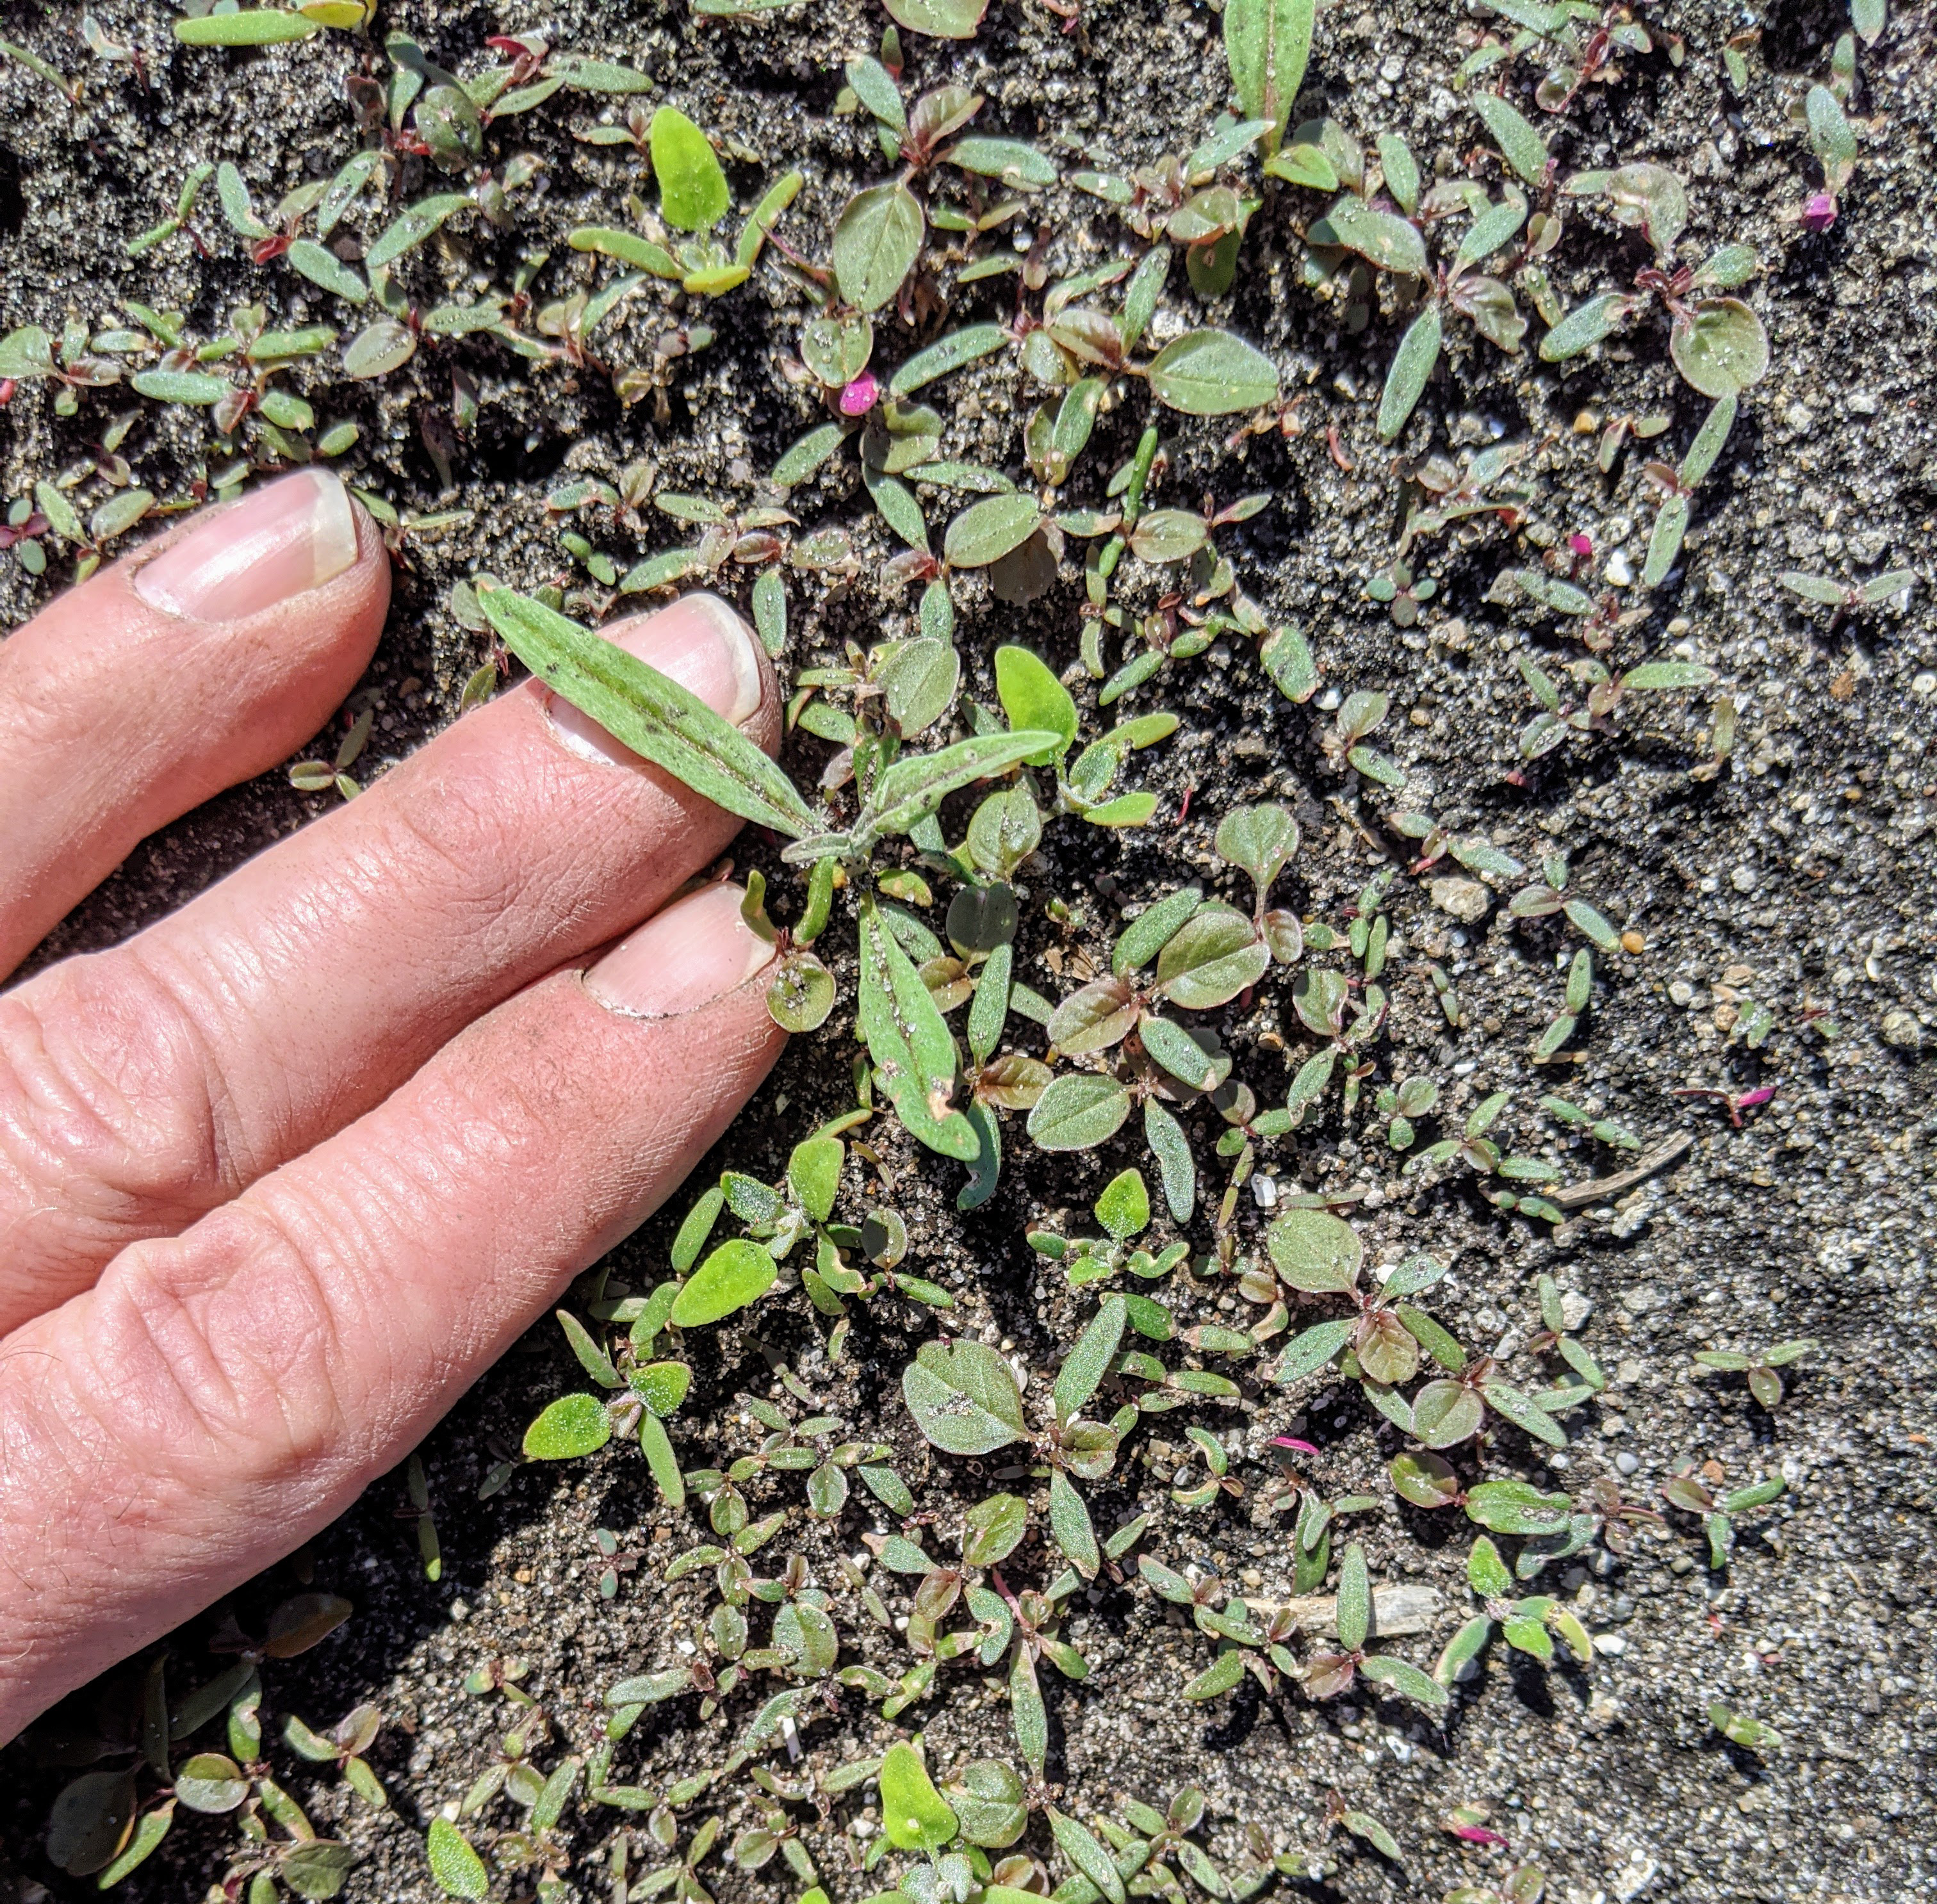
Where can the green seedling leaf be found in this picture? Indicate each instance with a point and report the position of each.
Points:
(1069, 1523)
(876, 242)
(264, 27)
(991, 1803)
(1212, 374)
(1123, 1209)
(814, 1174)
(947, 353)
(986, 531)
(26, 353)
(1182, 1056)
(1078, 1111)
(1362, 1825)
(1214, 956)
(197, 387)
(412, 225)
(1492, 228)
(945, 19)
(1412, 366)
(1405, 1679)
(1176, 1167)
(92, 1817)
(572, 1426)
(1720, 348)
(1153, 928)
(1585, 326)
(1355, 1599)
(1086, 1854)
(591, 1358)
(1031, 695)
(1010, 160)
(734, 1275)
(661, 1386)
(1287, 659)
(964, 1399)
(992, 1529)
(800, 462)
(1382, 238)
(1086, 1364)
(1312, 1349)
(149, 1832)
(318, 1867)
(1831, 138)
(1268, 44)
(629, 247)
(1525, 151)
(1740, 1729)
(1402, 172)
(1315, 1252)
(914, 1815)
(1517, 1507)
(911, 789)
(1658, 675)
(1664, 543)
(459, 1870)
(692, 188)
(649, 712)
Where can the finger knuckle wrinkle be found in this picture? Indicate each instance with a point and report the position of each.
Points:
(104, 1106)
(224, 1345)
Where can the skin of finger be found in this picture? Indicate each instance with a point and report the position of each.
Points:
(220, 1396)
(142, 1086)
(116, 718)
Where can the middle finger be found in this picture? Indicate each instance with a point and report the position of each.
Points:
(141, 1087)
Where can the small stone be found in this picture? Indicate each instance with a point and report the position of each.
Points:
(1681, 993)
(1901, 1031)
(1743, 879)
(1627, 1461)
(1924, 686)
(1632, 942)
(1611, 1644)
(1466, 900)
(1620, 570)
(1574, 1310)
(1264, 1192)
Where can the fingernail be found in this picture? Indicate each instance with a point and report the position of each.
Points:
(290, 537)
(700, 642)
(697, 950)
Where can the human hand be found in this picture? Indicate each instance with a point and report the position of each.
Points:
(282, 1175)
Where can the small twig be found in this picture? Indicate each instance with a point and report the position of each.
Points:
(1397, 1610)
(1603, 1190)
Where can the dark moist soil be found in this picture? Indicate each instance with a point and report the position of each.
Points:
(1798, 875)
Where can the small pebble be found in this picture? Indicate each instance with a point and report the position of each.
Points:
(1612, 1644)
(1627, 1461)
(1620, 570)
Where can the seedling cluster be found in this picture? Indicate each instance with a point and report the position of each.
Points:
(916, 869)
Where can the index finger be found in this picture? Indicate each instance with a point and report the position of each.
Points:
(191, 665)
(141, 1087)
